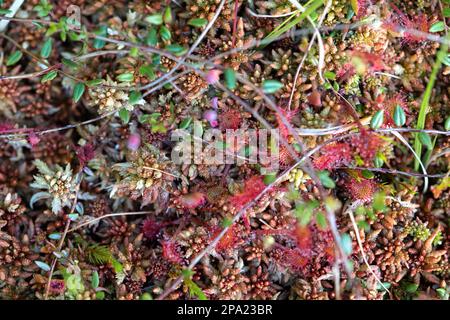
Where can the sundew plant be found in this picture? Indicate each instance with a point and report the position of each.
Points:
(224, 149)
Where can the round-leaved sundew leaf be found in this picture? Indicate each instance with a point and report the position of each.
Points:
(377, 120)
(271, 86)
(78, 91)
(399, 116)
(14, 58)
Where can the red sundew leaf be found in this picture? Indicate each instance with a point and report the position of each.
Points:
(374, 62)
(303, 237)
(228, 241)
(252, 189)
(171, 252)
(333, 155)
(366, 145)
(361, 189)
(288, 115)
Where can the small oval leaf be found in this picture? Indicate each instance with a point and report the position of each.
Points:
(47, 48)
(377, 120)
(78, 91)
(426, 140)
(271, 86)
(135, 97)
(125, 77)
(155, 19)
(49, 76)
(95, 281)
(399, 116)
(42, 265)
(14, 58)
(198, 22)
(124, 114)
(437, 26)
(230, 78)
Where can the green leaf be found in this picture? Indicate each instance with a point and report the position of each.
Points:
(94, 82)
(176, 49)
(14, 58)
(101, 31)
(146, 296)
(271, 86)
(378, 161)
(124, 114)
(95, 280)
(447, 124)
(269, 178)
(329, 75)
(198, 22)
(78, 91)
(69, 63)
(377, 120)
(135, 97)
(399, 116)
(134, 52)
(47, 48)
(426, 140)
(437, 26)
(165, 33)
(155, 19)
(321, 220)
(442, 293)
(446, 12)
(54, 236)
(49, 76)
(185, 123)
(100, 295)
(411, 287)
(125, 77)
(378, 201)
(230, 78)
(446, 60)
(346, 243)
(5, 11)
(152, 38)
(42, 265)
(367, 174)
(167, 15)
(325, 179)
(147, 71)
